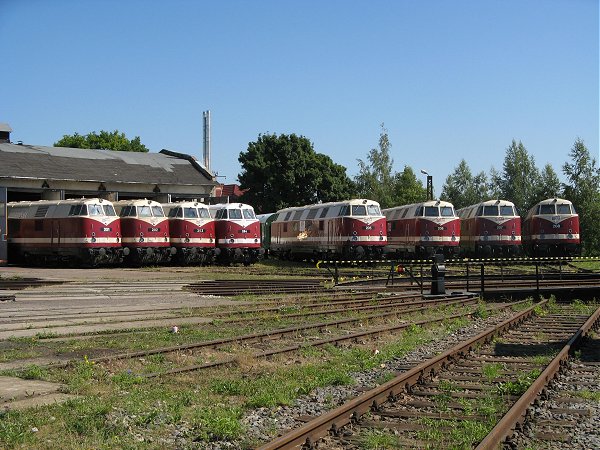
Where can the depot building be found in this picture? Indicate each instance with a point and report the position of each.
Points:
(33, 172)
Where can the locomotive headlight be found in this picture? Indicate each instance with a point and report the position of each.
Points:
(354, 238)
(354, 233)
(231, 241)
(256, 241)
(93, 239)
(381, 233)
(231, 235)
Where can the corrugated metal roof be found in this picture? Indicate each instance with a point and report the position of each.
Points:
(32, 161)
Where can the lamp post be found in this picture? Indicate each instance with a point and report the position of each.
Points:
(429, 185)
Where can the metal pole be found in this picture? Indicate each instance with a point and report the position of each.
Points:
(482, 279)
(467, 276)
(537, 280)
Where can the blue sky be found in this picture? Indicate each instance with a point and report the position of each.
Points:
(450, 80)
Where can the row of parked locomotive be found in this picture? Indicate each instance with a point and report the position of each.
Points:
(94, 231)
(358, 229)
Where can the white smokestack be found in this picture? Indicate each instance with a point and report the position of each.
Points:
(206, 148)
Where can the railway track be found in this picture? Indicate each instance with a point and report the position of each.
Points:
(455, 398)
(256, 287)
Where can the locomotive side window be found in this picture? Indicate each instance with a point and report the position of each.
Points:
(507, 211)
(344, 210)
(203, 213)
(95, 210)
(447, 211)
(175, 212)
(374, 210)
(235, 214)
(144, 211)
(432, 211)
(77, 210)
(312, 213)
(297, 215)
(157, 211)
(359, 210)
(324, 212)
(405, 213)
(128, 211)
(221, 214)
(564, 209)
(419, 211)
(287, 216)
(490, 210)
(547, 209)
(248, 214)
(109, 210)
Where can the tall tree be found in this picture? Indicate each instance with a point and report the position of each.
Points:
(408, 188)
(520, 177)
(104, 140)
(494, 185)
(375, 179)
(462, 188)
(583, 189)
(549, 185)
(281, 171)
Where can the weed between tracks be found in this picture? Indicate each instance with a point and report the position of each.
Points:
(124, 410)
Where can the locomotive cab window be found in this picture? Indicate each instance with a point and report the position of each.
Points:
(221, 214)
(235, 214)
(157, 211)
(563, 209)
(248, 214)
(144, 211)
(432, 211)
(203, 213)
(490, 210)
(190, 213)
(447, 211)
(546, 209)
(176, 212)
(507, 211)
(419, 212)
(359, 210)
(77, 210)
(128, 211)
(344, 211)
(374, 210)
(109, 210)
(95, 210)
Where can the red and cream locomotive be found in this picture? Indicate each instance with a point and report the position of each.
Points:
(352, 229)
(238, 233)
(422, 230)
(490, 228)
(83, 232)
(551, 228)
(145, 231)
(191, 232)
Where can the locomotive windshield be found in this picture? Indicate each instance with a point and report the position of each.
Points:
(507, 211)
(490, 210)
(447, 211)
(546, 209)
(374, 210)
(95, 210)
(432, 211)
(235, 213)
(564, 209)
(203, 213)
(144, 211)
(248, 214)
(157, 211)
(109, 210)
(175, 212)
(190, 213)
(359, 210)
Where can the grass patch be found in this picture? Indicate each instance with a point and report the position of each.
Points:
(378, 440)
(586, 394)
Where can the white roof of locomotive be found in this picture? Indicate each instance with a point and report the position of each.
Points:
(137, 202)
(229, 206)
(416, 205)
(354, 201)
(549, 201)
(185, 204)
(464, 212)
(50, 208)
(71, 201)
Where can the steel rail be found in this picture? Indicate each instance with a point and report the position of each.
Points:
(319, 343)
(517, 414)
(351, 411)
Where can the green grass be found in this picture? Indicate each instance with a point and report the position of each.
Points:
(378, 440)
(586, 394)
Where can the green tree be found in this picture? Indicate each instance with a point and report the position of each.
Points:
(549, 186)
(281, 171)
(375, 179)
(103, 140)
(462, 188)
(583, 189)
(494, 185)
(520, 178)
(408, 188)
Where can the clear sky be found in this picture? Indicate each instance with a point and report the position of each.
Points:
(450, 79)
